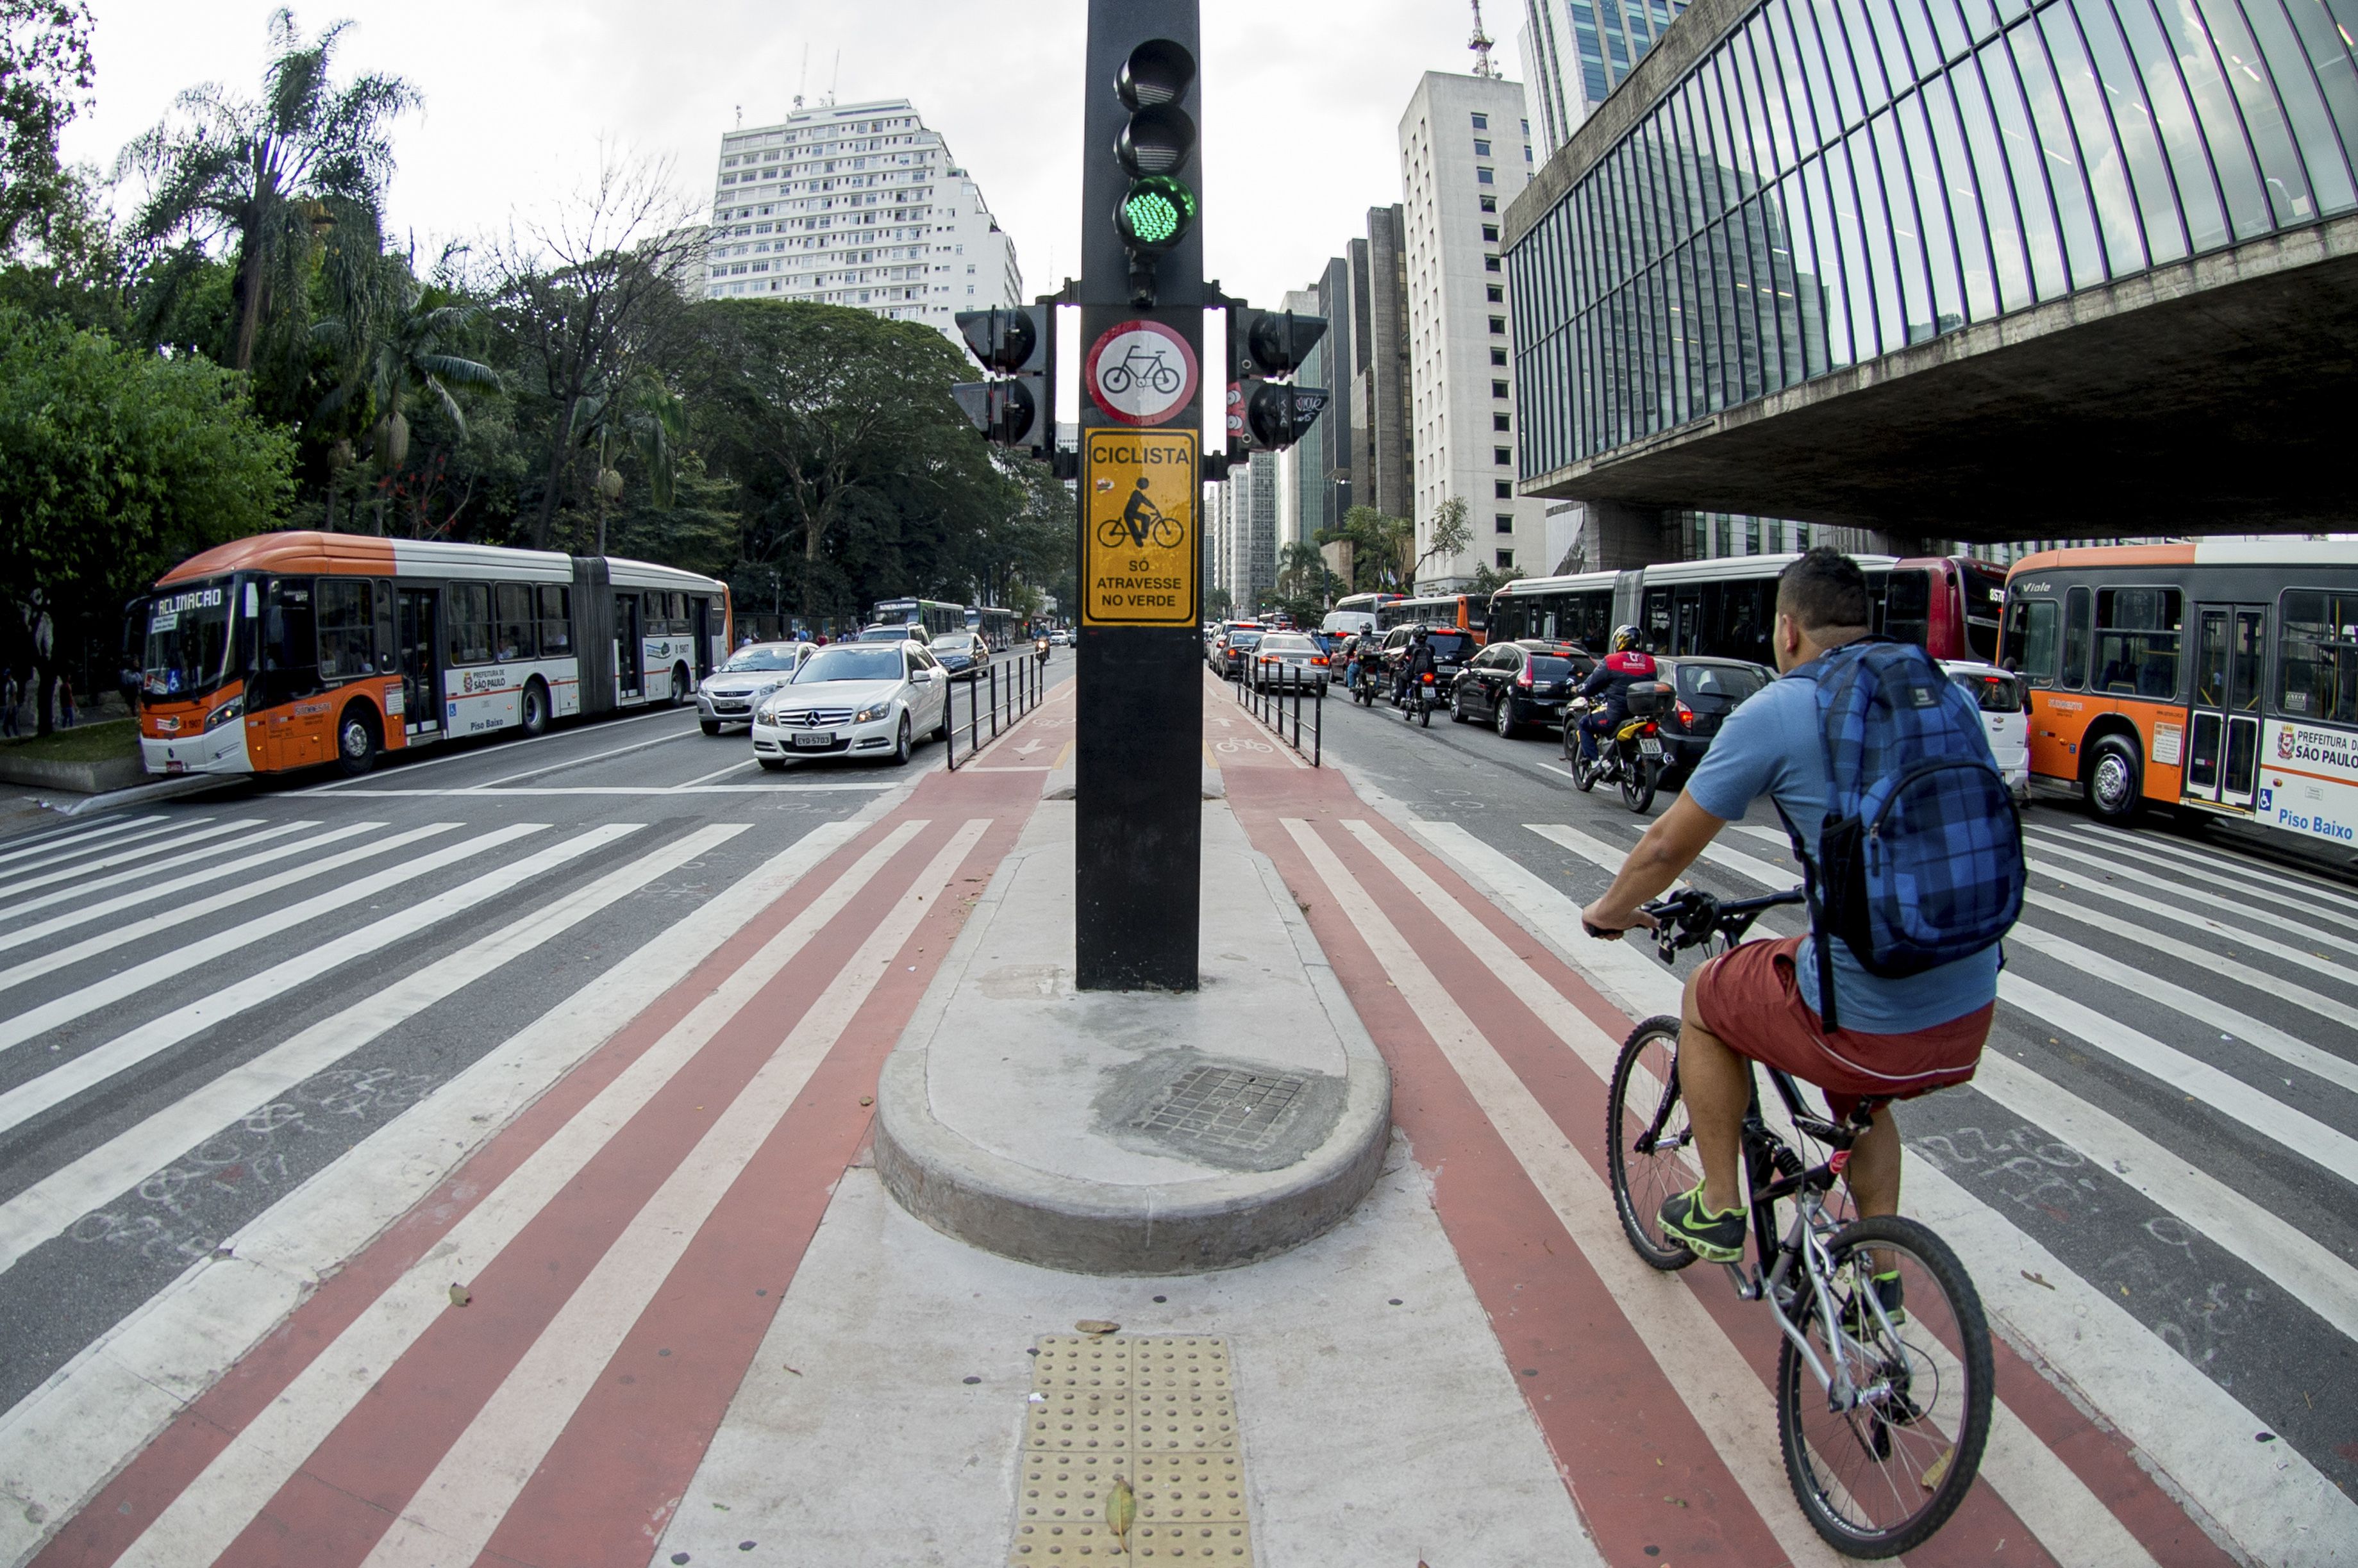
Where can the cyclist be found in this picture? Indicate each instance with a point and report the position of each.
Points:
(1628, 663)
(1141, 514)
(1414, 665)
(1897, 1038)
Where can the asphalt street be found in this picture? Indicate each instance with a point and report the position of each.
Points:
(2181, 1124)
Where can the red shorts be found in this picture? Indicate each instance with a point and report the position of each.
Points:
(1751, 999)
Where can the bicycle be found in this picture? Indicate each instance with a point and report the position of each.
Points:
(1139, 364)
(1166, 533)
(1907, 1407)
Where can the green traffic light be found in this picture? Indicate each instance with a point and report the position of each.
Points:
(1156, 212)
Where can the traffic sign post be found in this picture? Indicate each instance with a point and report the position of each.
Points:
(1138, 757)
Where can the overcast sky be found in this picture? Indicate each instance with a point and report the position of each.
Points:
(1302, 102)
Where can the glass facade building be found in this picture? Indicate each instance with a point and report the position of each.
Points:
(1832, 180)
(1576, 53)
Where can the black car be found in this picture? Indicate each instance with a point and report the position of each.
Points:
(1453, 650)
(1509, 685)
(1688, 700)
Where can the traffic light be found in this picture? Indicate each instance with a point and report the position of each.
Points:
(1265, 414)
(1018, 406)
(1153, 147)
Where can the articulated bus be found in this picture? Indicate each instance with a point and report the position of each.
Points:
(2220, 676)
(994, 625)
(288, 649)
(934, 616)
(1466, 611)
(1723, 608)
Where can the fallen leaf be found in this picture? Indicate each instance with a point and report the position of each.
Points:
(1096, 1325)
(461, 1295)
(868, 1100)
(2035, 1279)
(1676, 1502)
(1931, 1479)
(797, 1371)
(1121, 1508)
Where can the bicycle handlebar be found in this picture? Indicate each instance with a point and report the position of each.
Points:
(1690, 917)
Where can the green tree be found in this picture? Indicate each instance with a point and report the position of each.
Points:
(395, 340)
(1220, 605)
(115, 464)
(1379, 549)
(45, 76)
(271, 177)
(637, 414)
(1449, 533)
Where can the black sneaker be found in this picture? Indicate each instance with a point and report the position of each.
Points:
(1889, 1290)
(1713, 1238)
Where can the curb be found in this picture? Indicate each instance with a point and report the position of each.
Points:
(82, 778)
(1090, 1228)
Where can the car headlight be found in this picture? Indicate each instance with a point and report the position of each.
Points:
(234, 708)
(874, 711)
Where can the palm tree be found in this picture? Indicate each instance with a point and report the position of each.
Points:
(1301, 570)
(273, 175)
(393, 339)
(636, 412)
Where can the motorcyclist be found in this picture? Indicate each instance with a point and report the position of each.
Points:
(1414, 665)
(1628, 663)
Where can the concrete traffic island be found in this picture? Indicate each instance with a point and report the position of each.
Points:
(1133, 1132)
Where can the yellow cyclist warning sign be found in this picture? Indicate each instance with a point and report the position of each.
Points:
(1139, 543)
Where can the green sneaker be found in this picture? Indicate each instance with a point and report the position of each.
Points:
(1713, 1238)
(1891, 1292)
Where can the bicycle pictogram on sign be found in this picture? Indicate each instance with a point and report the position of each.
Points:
(1142, 522)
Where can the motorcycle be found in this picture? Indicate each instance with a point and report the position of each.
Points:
(1040, 649)
(1370, 676)
(1633, 760)
(1423, 697)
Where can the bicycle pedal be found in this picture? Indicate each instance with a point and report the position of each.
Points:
(1746, 1288)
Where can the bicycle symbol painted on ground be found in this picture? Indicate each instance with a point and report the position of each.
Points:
(1233, 747)
(1141, 365)
(1142, 522)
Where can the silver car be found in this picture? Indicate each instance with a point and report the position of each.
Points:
(854, 697)
(1288, 659)
(731, 693)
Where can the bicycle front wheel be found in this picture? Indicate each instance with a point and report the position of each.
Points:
(1879, 1478)
(1647, 1143)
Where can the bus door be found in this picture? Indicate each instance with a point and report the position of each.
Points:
(703, 620)
(417, 639)
(630, 647)
(2222, 750)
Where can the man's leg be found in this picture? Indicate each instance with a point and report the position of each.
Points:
(1874, 1169)
(1716, 1084)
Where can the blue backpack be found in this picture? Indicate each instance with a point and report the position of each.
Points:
(1920, 859)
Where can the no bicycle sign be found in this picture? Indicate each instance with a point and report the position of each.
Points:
(1140, 547)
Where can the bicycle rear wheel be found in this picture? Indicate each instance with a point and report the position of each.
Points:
(1642, 1106)
(1879, 1479)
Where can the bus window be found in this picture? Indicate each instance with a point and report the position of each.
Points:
(469, 604)
(2031, 638)
(511, 622)
(291, 645)
(555, 621)
(1908, 607)
(1985, 596)
(1657, 630)
(2075, 638)
(2136, 641)
(346, 621)
(2317, 657)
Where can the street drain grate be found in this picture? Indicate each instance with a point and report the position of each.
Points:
(1155, 1415)
(1225, 1108)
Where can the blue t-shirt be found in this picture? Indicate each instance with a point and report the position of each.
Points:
(1773, 745)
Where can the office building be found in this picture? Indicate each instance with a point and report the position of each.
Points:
(855, 204)
(1322, 459)
(1463, 157)
(1241, 518)
(1382, 411)
(1576, 53)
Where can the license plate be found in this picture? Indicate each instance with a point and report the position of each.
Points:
(174, 766)
(1650, 748)
(814, 741)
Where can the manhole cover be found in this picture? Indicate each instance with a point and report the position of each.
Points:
(1225, 1108)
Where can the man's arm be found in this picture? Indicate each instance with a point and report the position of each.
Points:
(1671, 845)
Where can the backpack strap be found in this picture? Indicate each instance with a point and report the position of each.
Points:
(1820, 940)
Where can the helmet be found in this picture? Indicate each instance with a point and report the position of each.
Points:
(1624, 639)
(1420, 634)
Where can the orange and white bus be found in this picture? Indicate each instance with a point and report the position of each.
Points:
(1468, 612)
(2221, 675)
(288, 649)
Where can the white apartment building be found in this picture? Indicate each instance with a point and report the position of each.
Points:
(1465, 153)
(1240, 518)
(855, 204)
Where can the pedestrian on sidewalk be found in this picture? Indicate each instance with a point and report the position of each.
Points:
(11, 695)
(65, 703)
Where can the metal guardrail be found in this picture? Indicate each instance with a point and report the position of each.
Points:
(1266, 700)
(1008, 700)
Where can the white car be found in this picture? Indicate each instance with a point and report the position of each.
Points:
(851, 698)
(730, 693)
(2005, 715)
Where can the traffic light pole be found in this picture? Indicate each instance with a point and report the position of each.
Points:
(1139, 752)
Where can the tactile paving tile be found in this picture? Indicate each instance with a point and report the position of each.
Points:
(1157, 1413)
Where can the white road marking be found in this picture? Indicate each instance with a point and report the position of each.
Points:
(2037, 1484)
(716, 773)
(145, 875)
(142, 1373)
(62, 1010)
(69, 833)
(1694, 1353)
(528, 791)
(94, 845)
(198, 909)
(2207, 855)
(515, 742)
(55, 1202)
(452, 1515)
(2115, 872)
(200, 1524)
(2185, 1424)
(126, 1050)
(2299, 898)
(118, 856)
(2240, 937)
(592, 757)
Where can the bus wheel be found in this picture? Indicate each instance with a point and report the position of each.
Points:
(536, 707)
(2115, 780)
(678, 685)
(356, 740)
